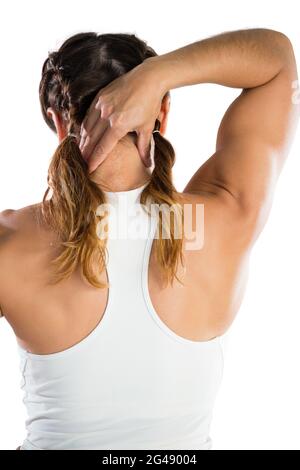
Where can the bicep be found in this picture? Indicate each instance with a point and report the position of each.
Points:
(252, 142)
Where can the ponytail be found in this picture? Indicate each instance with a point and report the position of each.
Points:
(71, 212)
(159, 191)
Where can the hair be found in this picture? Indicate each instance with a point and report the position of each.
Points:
(71, 78)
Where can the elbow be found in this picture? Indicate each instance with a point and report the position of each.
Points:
(281, 43)
(286, 49)
(278, 36)
(286, 42)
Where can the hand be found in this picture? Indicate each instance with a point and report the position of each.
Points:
(129, 103)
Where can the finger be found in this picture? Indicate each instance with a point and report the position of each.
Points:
(91, 140)
(89, 121)
(143, 145)
(109, 139)
(92, 116)
(147, 162)
(83, 141)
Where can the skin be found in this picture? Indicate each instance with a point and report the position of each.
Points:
(236, 185)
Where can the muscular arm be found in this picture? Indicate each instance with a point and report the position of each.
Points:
(258, 127)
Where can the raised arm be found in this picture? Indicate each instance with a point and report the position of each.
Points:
(258, 127)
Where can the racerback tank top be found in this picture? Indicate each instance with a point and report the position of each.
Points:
(132, 383)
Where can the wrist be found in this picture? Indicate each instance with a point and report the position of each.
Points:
(158, 69)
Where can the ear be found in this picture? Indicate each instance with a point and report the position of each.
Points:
(164, 113)
(60, 128)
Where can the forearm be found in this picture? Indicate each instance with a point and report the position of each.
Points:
(238, 59)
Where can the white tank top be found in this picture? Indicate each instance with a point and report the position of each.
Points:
(132, 383)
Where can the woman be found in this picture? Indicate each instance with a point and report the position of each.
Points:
(119, 336)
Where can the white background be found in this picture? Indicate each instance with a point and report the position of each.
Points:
(258, 405)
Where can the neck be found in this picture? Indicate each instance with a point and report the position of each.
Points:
(122, 169)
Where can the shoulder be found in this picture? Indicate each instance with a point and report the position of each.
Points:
(18, 226)
(13, 220)
(14, 224)
(7, 218)
(223, 217)
(5, 215)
